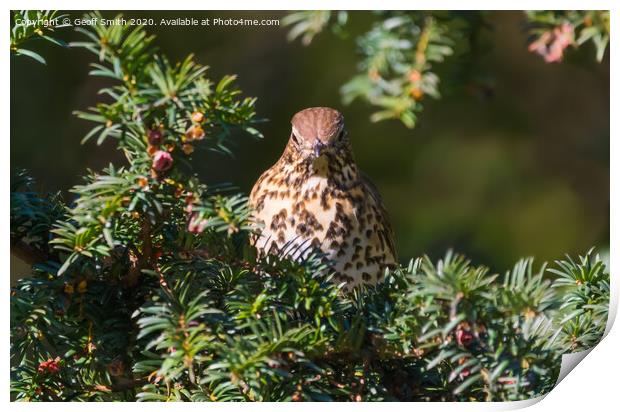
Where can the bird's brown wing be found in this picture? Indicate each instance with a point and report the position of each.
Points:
(385, 227)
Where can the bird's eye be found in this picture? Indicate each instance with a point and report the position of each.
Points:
(295, 138)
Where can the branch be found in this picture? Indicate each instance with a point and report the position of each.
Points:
(143, 259)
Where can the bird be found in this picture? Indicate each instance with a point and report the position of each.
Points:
(316, 198)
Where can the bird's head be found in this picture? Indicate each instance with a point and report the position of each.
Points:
(317, 131)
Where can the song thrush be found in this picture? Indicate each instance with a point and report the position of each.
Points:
(315, 196)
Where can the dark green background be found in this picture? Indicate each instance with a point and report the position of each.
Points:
(512, 161)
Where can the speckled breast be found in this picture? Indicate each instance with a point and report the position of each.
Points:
(327, 210)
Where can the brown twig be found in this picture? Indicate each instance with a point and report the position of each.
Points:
(142, 260)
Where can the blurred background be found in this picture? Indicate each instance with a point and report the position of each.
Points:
(512, 161)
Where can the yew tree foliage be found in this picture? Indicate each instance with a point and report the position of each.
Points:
(144, 286)
(27, 25)
(403, 52)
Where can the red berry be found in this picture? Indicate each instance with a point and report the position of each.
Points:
(463, 336)
(162, 161)
(51, 366)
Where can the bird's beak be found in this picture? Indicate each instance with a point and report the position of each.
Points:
(318, 148)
